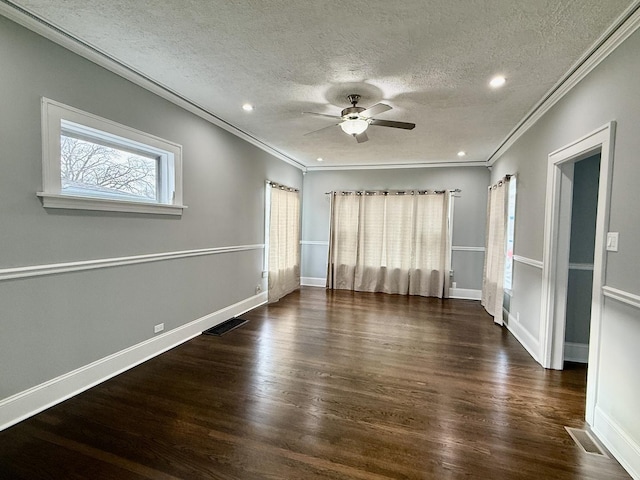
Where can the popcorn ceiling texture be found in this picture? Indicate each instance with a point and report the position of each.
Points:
(431, 61)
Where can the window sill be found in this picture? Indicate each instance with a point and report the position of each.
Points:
(73, 202)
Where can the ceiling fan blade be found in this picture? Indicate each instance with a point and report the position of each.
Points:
(335, 117)
(389, 123)
(374, 110)
(320, 129)
(362, 137)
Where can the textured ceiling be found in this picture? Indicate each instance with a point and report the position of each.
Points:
(430, 60)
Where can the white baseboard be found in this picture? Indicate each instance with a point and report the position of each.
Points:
(576, 352)
(618, 442)
(36, 399)
(465, 294)
(528, 341)
(313, 282)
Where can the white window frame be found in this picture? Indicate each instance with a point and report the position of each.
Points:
(510, 234)
(57, 117)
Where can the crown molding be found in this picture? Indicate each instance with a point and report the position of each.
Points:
(63, 38)
(391, 166)
(618, 32)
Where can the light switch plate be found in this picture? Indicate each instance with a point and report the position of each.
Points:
(612, 241)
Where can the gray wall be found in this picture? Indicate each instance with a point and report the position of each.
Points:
(583, 234)
(469, 211)
(609, 92)
(54, 324)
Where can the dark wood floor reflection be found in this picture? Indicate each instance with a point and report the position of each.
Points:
(323, 385)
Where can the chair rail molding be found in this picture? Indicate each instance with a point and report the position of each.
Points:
(458, 248)
(55, 268)
(581, 266)
(621, 296)
(528, 261)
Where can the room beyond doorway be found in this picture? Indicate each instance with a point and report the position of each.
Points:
(584, 207)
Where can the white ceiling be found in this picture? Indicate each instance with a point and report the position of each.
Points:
(430, 60)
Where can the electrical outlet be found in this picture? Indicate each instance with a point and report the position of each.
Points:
(258, 289)
(454, 284)
(158, 328)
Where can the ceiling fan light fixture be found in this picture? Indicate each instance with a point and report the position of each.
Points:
(354, 126)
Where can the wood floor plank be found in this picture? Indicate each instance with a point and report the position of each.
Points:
(324, 385)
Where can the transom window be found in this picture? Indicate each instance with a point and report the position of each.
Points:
(95, 164)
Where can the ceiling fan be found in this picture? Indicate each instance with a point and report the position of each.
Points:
(355, 120)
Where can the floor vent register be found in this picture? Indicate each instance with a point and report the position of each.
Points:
(586, 442)
(225, 327)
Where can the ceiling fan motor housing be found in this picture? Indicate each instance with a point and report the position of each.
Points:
(351, 112)
(353, 98)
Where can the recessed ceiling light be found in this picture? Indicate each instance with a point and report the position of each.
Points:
(319, 159)
(247, 107)
(497, 81)
(462, 154)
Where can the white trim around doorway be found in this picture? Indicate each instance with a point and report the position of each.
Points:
(556, 252)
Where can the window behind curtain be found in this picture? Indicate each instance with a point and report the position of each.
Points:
(511, 225)
(395, 243)
(283, 242)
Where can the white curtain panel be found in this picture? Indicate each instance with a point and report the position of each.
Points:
(284, 243)
(390, 243)
(343, 244)
(493, 277)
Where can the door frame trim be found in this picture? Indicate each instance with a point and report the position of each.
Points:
(556, 251)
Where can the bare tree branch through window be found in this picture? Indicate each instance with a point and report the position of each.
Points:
(90, 165)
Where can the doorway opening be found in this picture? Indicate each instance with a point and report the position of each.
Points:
(584, 204)
(557, 250)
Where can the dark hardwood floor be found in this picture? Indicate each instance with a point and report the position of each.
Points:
(327, 385)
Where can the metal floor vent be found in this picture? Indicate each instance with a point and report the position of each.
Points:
(225, 327)
(586, 442)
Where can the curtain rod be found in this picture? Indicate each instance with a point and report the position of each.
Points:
(391, 192)
(502, 180)
(281, 187)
